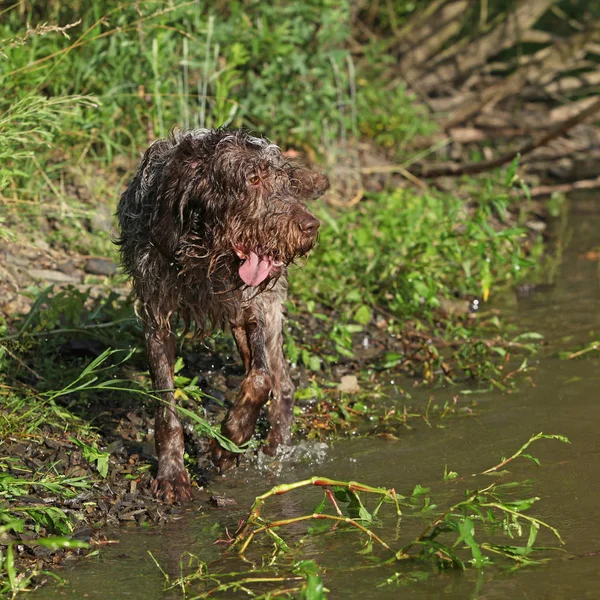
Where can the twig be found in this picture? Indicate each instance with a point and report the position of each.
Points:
(316, 516)
(395, 169)
(245, 533)
(519, 452)
(91, 326)
(22, 363)
(583, 184)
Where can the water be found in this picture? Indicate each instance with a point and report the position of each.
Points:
(565, 399)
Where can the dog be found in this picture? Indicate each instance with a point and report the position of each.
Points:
(209, 225)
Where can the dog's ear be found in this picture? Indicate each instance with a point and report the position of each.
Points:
(307, 184)
(178, 185)
(158, 179)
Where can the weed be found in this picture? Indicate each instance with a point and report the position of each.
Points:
(32, 524)
(464, 535)
(379, 266)
(586, 349)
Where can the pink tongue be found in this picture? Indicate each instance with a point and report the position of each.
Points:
(255, 270)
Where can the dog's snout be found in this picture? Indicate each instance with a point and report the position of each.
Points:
(309, 224)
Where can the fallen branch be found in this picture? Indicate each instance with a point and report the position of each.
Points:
(542, 65)
(389, 169)
(569, 84)
(479, 167)
(461, 60)
(255, 523)
(438, 31)
(565, 188)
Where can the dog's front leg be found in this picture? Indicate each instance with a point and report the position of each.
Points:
(172, 483)
(240, 421)
(281, 403)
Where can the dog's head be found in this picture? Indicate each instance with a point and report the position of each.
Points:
(229, 197)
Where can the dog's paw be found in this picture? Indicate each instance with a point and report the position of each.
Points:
(277, 437)
(173, 489)
(223, 459)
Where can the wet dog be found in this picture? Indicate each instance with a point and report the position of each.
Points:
(209, 225)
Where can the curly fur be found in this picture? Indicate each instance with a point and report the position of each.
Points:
(201, 203)
(187, 209)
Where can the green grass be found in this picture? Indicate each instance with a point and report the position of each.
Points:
(281, 67)
(87, 87)
(403, 252)
(25, 524)
(398, 259)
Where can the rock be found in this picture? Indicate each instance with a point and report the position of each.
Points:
(349, 384)
(68, 267)
(537, 226)
(42, 244)
(222, 501)
(54, 276)
(17, 260)
(102, 219)
(100, 266)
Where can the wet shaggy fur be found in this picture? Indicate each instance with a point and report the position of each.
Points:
(207, 211)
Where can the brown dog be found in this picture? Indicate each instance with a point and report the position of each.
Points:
(209, 225)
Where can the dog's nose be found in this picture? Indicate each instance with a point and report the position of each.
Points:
(309, 224)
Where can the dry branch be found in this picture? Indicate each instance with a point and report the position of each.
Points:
(545, 62)
(463, 59)
(417, 28)
(435, 34)
(479, 167)
(565, 188)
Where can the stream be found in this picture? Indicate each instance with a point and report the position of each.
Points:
(565, 399)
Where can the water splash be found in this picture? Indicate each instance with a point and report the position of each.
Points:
(288, 457)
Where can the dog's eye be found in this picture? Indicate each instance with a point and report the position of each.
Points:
(254, 179)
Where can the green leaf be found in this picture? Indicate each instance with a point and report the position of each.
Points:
(321, 506)
(521, 505)
(529, 335)
(420, 490)
(59, 542)
(449, 475)
(102, 464)
(363, 315)
(313, 589)
(467, 531)
(446, 551)
(314, 363)
(531, 458)
(511, 171)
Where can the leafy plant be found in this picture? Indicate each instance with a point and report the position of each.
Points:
(483, 510)
(464, 535)
(92, 454)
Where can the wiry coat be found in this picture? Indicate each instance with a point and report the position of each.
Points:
(209, 225)
(187, 209)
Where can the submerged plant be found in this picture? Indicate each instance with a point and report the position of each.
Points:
(466, 534)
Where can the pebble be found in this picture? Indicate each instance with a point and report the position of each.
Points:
(100, 266)
(349, 384)
(50, 275)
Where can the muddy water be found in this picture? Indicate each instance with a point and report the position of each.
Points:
(565, 399)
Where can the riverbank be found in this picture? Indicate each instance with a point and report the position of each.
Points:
(400, 291)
